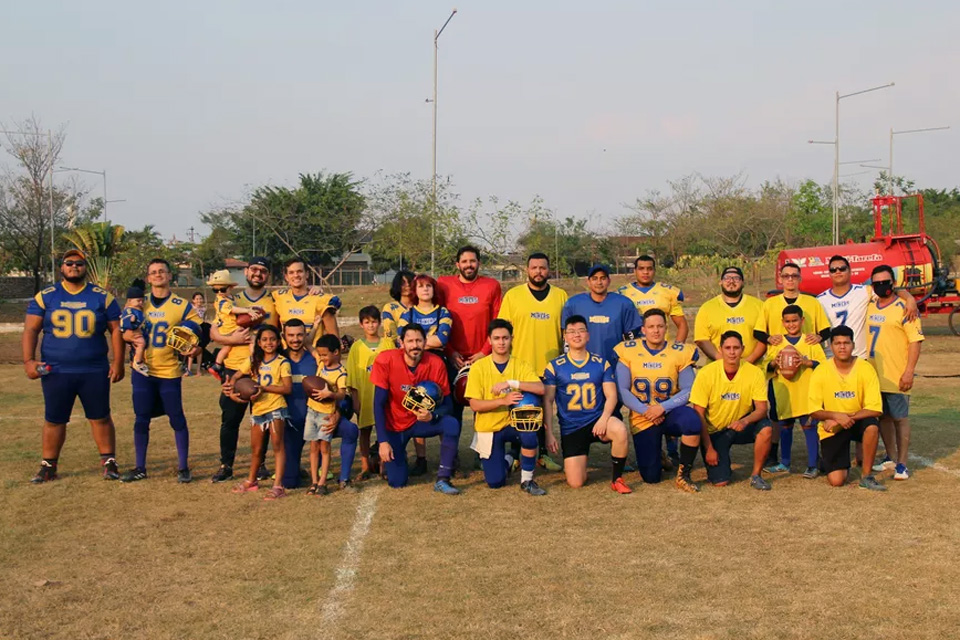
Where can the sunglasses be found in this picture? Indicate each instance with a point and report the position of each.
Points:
(790, 276)
(839, 269)
(74, 263)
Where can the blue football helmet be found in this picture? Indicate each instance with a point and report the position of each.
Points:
(527, 415)
(423, 396)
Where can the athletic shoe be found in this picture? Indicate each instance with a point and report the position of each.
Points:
(531, 487)
(444, 487)
(217, 371)
(620, 486)
(811, 473)
(674, 458)
(184, 476)
(629, 468)
(758, 483)
(884, 465)
(777, 468)
(223, 474)
(901, 472)
(346, 485)
(684, 482)
(263, 473)
(110, 470)
(419, 468)
(666, 463)
(46, 473)
(869, 482)
(137, 473)
(275, 494)
(549, 464)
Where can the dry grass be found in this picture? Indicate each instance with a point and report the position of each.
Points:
(83, 558)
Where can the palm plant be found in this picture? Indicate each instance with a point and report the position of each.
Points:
(101, 241)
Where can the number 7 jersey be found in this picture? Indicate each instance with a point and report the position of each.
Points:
(654, 375)
(580, 396)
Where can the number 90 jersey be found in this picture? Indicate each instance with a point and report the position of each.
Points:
(580, 396)
(73, 327)
(159, 317)
(654, 375)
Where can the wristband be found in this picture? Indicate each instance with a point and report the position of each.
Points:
(514, 384)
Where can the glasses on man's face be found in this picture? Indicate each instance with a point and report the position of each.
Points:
(732, 279)
(839, 269)
(74, 263)
(156, 273)
(790, 276)
(575, 332)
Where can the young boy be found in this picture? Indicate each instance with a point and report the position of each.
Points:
(359, 365)
(132, 320)
(227, 314)
(319, 430)
(789, 396)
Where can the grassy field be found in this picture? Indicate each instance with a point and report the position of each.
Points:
(84, 558)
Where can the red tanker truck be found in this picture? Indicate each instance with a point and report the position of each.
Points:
(915, 258)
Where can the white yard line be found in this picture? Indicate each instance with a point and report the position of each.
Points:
(335, 604)
(927, 462)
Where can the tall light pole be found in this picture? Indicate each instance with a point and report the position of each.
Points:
(897, 133)
(53, 249)
(102, 174)
(433, 222)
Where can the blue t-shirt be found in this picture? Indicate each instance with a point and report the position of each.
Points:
(131, 319)
(297, 398)
(580, 396)
(74, 327)
(607, 321)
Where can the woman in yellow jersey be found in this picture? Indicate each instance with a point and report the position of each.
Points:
(271, 372)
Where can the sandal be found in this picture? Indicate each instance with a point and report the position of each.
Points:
(275, 494)
(363, 475)
(312, 491)
(246, 486)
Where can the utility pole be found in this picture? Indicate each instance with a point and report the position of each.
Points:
(433, 222)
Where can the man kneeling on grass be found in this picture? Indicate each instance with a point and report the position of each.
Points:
(845, 397)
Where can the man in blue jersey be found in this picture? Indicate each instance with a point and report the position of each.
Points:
(73, 316)
(582, 386)
(610, 316)
(302, 363)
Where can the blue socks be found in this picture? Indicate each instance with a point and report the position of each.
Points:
(786, 444)
(813, 446)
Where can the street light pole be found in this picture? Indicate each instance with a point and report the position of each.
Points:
(895, 133)
(433, 222)
(102, 174)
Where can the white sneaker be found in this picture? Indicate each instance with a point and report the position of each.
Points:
(902, 473)
(884, 465)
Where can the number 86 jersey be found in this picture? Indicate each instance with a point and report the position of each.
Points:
(160, 316)
(654, 375)
(580, 396)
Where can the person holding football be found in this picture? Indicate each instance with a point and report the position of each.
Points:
(770, 328)
(412, 400)
(227, 312)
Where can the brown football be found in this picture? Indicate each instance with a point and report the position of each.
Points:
(246, 388)
(314, 383)
(790, 360)
(245, 320)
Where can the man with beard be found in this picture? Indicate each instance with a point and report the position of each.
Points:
(610, 316)
(257, 274)
(647, 293)
(73, 316)
(534, 310)
(317, 311)
(302, 363)
(732, 310)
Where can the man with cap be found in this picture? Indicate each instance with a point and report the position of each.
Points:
(73, 316)
(609, 315)
(732, 310)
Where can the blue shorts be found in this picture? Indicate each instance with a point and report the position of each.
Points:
(895, 405)
(60, 390)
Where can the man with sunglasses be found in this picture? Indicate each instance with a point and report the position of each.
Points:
(73, 316)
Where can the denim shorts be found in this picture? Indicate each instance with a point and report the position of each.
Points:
(311, 429)
(267, 419)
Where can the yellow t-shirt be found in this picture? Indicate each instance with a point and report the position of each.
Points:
(483, 375)
(888, 340)
(389, 316)
(771, 318)
(832, 391)
(659, 295)
(654, 375)
(270, 373)
(359, 365)
(337, 378)
(162, 360)
(536, 325)
(727, 400)
(716, 317)
(226, 321)
(240, 353)
(307, 308)
(791, 397)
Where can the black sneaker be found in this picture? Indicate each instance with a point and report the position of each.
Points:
(531, 487)
(419, 468)
(223, 474)
(184, 476)
(348, 487)
(263, 473)
(46, 473)
(137, 473)
(217, 371)
(110, 470)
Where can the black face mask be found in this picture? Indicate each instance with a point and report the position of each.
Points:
(883, 289)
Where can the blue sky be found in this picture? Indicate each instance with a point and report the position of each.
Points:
(189, 104)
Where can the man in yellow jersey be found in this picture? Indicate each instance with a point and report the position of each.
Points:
(894, 349)
(317, 311)
(159, 392)
(731, 397)
(257, 274)
(845, 397)
(816, 325)
(534, 309)
(647, 293)
(732, 310)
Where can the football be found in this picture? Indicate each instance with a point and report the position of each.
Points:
(246, 388)
(314, 383)
(245, 320)
(789, 362)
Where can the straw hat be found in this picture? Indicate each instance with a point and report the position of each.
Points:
(221, 278)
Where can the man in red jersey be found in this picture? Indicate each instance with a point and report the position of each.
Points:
(473, 301)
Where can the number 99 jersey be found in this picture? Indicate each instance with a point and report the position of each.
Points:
(160, 316)
(73, 327)
(654, 375)
(580, 396)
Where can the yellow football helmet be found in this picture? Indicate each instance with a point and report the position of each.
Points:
(527, 415)
(424, 396)
(182, 340)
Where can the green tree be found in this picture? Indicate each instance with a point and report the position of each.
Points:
(102, 242)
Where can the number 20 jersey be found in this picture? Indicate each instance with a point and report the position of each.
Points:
(654, 375)
(580, 396)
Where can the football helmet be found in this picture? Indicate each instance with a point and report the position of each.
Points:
(182, 340)
(424, 396)
(460, 386)
(527, 415)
